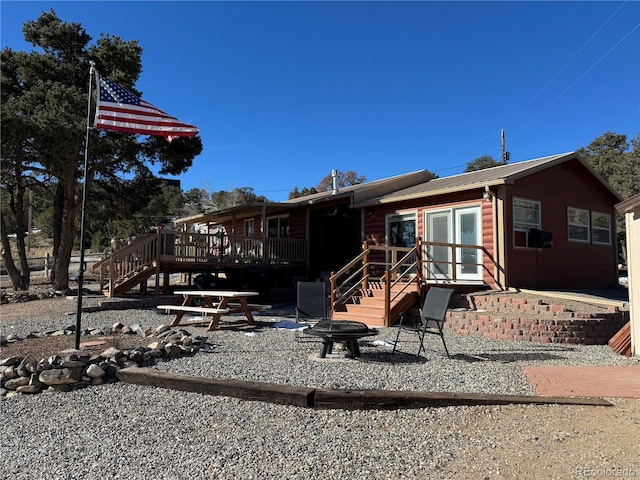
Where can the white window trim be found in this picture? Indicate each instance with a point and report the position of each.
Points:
(405, 213)
(532, 225)
(600, 228)
(583, 225)
(249, 227)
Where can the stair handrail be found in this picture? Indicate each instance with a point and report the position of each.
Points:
(362, 264)
(392, 272)
(333, 279)
(142, 251)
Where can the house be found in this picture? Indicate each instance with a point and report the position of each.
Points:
(543, 223)
(307, 236)
(269, 246)
(631, 210)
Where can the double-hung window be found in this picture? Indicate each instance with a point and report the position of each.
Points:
(526, 216)
(249, 229)
(589, 227)
(601, 228)
(578, 224)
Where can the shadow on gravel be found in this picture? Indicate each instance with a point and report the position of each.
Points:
(507, 357)
(394, 358)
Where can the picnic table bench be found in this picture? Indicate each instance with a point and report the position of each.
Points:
(215, 303)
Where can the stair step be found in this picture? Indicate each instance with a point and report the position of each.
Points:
(364, 309)
(370, 320)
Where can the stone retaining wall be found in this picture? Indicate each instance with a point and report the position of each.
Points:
(507, 318)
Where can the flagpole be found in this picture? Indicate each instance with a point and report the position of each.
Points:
(83, 215)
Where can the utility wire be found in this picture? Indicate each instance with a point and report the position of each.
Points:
(568, 62)
(579, 78)
(547, 84)
(465, 147)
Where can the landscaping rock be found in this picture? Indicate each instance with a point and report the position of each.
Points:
(73, 369)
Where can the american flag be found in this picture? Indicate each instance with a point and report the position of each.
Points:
(122, 111)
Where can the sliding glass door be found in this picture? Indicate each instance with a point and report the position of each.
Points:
(468, 232)
(461, 226)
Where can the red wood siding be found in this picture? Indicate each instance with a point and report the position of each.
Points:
(374, 221)
(566, 264)
(298, 224)
(489, 273)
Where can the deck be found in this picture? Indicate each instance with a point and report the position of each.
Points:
(166, 252)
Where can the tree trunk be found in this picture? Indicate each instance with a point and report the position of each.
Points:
(57, 226)
(18, 280)
(20, 277)
(17, 205)
(64, 233)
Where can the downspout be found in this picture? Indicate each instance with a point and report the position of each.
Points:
(263, 227)
(307, 234)
(501, 240)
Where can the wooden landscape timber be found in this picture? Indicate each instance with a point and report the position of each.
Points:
(339, 399)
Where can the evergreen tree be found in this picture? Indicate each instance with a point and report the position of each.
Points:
(44, 103)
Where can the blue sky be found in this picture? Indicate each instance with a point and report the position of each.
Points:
(283, 92)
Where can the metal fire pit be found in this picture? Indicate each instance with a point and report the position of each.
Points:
(343, 331)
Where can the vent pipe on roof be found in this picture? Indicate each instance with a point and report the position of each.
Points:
(334, 181)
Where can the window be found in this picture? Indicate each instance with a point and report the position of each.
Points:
(601, 228)
(278, 227)
(401, 230)
(578, 222)
(249, 228)
(526, 215)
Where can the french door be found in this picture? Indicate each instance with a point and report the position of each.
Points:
(460, 226)
(401, 232)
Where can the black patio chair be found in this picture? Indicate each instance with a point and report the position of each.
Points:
(312, 303)
(431, 320)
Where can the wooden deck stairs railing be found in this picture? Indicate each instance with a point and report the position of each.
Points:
(166, 251)
(369, 306)
(129, 266)
(379, 300)
(376, 301)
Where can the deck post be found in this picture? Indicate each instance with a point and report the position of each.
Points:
(158, 252)
(387, 298)
(112, 274)
(365, 263)
(333, 280)
(419, 279)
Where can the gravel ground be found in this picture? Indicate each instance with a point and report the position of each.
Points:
(128, 431)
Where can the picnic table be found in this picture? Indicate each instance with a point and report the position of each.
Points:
(214, 304)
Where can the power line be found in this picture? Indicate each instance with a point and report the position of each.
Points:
(579, 78)
(568, 62)
(465, 147)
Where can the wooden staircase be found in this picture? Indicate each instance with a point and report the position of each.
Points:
(129, 267)
(133, 279)
(368, 306)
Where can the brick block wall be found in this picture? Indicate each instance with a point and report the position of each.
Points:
(505, 318)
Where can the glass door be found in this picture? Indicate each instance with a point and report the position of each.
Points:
(453, 226)
(438, 257)
(468, 232)
(401, 232)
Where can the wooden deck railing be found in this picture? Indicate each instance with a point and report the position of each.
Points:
(447, 267)
(391, 266)
(400, 269)
(203, 247)
(180, 247)
(127, 261)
